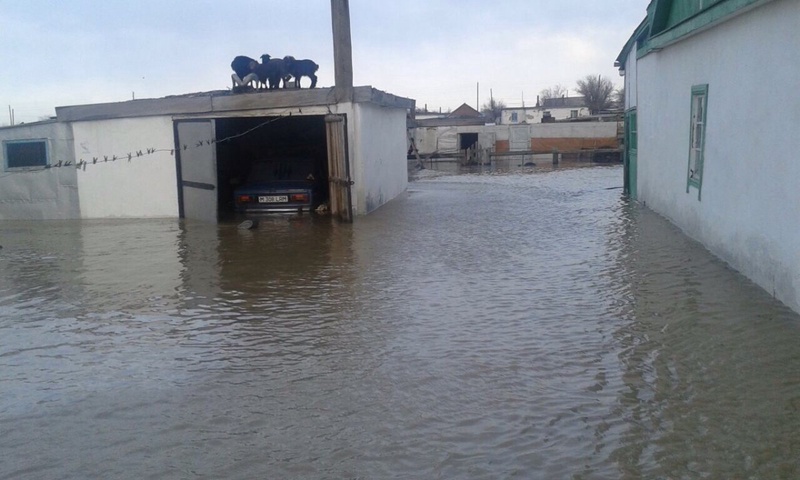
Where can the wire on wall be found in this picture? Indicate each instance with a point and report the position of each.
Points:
(83, 163)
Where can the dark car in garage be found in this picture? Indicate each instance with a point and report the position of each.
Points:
(279, 185)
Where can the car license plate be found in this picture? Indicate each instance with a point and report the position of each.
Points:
(273, 199)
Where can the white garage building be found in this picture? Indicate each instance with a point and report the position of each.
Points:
(179, 156)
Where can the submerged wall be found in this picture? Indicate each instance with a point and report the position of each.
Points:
(521, 137)
(379, 156)
(37, 192)
(127, 161)
(748, 211)
(145, 186)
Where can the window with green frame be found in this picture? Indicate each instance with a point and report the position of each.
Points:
(697, 136)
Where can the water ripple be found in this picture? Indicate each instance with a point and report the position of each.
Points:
(483, 326)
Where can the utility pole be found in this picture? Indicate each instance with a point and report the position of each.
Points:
(342, 50)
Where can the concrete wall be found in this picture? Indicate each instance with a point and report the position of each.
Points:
(749, 212)
(379, 155)
(546, 137)
(39, 193)
(143, 187)
(444, 139)
(574, 130)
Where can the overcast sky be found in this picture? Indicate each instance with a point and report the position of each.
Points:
(435, 51)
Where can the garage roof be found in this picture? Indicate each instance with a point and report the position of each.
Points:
(225, 101)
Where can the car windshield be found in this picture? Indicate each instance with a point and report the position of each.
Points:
(280, 170)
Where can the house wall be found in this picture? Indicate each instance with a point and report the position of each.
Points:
(749, 212)
(565, 113)
(535, 114)
(631, 80)
(526, 115)
(143, 187)
(379, 156)
(40, 193)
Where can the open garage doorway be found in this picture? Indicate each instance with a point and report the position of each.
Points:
(255, 154)
(277, 164)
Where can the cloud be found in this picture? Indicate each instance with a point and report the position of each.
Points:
(435, 51)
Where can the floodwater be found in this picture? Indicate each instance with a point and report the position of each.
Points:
(521, 325)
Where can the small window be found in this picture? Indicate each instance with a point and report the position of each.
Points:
(697, 135)
(514, 116)
(573, 114)
(25, 153)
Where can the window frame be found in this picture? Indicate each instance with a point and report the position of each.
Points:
(7, 160)
(697, 138)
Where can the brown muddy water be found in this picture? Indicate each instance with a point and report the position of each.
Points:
(526, 325)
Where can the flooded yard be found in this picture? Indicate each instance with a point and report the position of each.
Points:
(521, 325)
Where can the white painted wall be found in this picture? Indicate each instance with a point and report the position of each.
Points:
(749, 214)
(574, 130)
(380, 146)
(526, 115)
(143, 187)
(535, 114)
(565, 113)
(630, 80)
(444, 139)
(39, 193)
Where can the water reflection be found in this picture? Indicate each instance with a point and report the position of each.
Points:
(482, 326)
(711, 366)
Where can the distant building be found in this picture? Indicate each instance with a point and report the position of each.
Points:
(550, 109)
(463, 115)
(466, 128)
(711, 114)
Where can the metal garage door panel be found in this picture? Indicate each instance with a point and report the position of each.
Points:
(198, 169)
(520, 138)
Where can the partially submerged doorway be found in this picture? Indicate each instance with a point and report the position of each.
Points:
(214, 156)
(196, 169)
(467, 140)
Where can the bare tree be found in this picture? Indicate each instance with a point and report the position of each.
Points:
(619, 97)
(492, 109)
(556, 91)
(597, 92)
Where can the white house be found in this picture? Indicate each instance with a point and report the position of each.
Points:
(550, 109)
(712, 115)
(180, 156)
